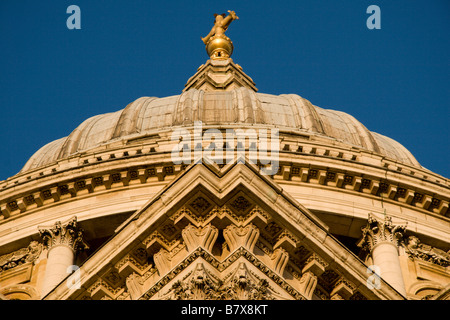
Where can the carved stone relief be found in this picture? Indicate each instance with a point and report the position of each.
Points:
(200, 284)
(415, 249)
(252, 266)
(380, 231)
(21, 256)
(67, 233)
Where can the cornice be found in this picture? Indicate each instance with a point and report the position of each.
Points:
(303, 160)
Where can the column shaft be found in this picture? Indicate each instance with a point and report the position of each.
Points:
(385, 256)
(59, 259)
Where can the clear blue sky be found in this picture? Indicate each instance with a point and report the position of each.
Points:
(394, 80)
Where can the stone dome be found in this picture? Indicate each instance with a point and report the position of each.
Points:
(239, 107)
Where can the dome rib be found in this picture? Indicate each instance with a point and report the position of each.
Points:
(240, 106)
(309, 118)
(127, 123)
(394, 150)
(46, 154)
(71, 142)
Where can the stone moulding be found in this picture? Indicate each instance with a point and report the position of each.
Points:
(241, 241)
(287, 230)
(388, 189)
(219, 75)
(18, 274)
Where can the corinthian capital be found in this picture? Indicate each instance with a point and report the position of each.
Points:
(377, 231)
(67, 233)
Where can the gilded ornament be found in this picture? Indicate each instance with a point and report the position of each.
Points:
(218, 45)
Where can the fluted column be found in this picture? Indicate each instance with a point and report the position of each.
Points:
(381, 239)
(63, 240)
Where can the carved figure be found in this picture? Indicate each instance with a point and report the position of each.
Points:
(221, 24)
(416, 249)
(218, 45)
(23, 255)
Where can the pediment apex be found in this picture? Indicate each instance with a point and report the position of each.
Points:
(220, 183)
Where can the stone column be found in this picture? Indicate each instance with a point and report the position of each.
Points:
(381, 239)
(63, 240)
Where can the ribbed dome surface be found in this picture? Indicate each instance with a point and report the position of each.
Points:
(240, 107)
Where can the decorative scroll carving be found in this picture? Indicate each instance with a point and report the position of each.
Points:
(280, 259)
(308, 284)
(21, 256)
(162, 261)
(205, 237)
(134, 285)
(241, 236)
(416, 249)
(67, 233)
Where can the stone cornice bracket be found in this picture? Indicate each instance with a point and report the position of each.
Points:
(315, 264)
(67, 233)
(314, 267)
(377, 231)
(163, 261)
(343, 289)
(280, 258)
(308, 283)
(195, 237)
(241, 236)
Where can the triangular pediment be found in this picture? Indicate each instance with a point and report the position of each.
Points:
(223, 233)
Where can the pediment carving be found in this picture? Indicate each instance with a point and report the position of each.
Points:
(244, 240)
(21, 256)
(219, 256)
(241, 276)
(416, 249)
